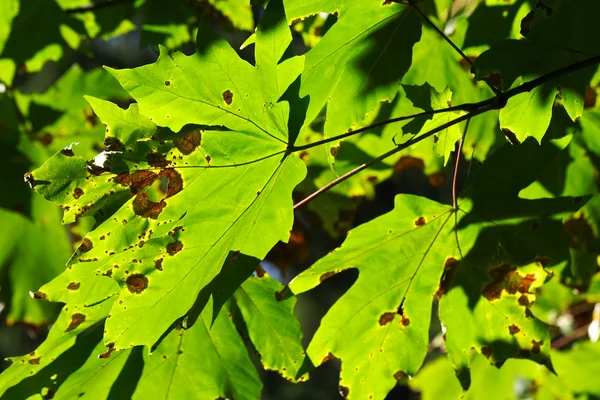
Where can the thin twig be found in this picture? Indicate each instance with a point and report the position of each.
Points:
(570, 338)
(450, 42)
(461, 107)
(390, 153)
(493, 103)
(96, 6)
(458, 153)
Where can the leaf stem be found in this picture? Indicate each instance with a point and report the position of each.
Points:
(458, 153)
(493, 103)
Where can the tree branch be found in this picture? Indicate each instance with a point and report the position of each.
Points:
(391, 152)
(492, 103)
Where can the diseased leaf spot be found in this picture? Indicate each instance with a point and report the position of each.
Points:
(420, 221)
(524, 301)
(113, 144)
(174, 248)
(34, 361)
(228, 96)
(344, 391)
(513, 329)
(188, 143)
(260, 272)
(326, 275)
(486, 351)
(137, 283)
(386, 318)
(111, 348)
(450, 267)
(175, 182)
(398, 375)
(146, 208)
(76, 320)
(536, 346)
(77, 193)
(167, 83)
(73, 285)
(158, 264)
(405, 321)
(38, 295)
(157, 160)
(85, 246)
(67, 152)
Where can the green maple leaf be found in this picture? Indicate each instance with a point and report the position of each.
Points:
(360, 60)
(379, 327)
(175, 207)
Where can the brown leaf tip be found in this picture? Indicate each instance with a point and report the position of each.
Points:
(85, 246)
(228, 96)
(386, 318)
(137, 283)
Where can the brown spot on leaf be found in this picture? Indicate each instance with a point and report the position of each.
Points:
(344, 391)
(39, 295)
(513, 329)
(77, 193)
(67, 152)
(227, 97)
(486, 351)
(536, 346)
(174, 248)
(420, 221)
(524, 301)
(76, 320)
(167, 83)
(188, 143)
(95, 169)
(137, 283)
(386, 318)
(73, 285)
(85, 246)
(525, 284)
(437, 179)
(146, 208)
(326, 275)
(136, 180)
(398, 375)
(175, 184)
(450, 267)
(505, 277)
(158, 264)
(157, 160)
(409, 162)
(405, 321)
(34, 361)
(334, 150)
(45, 139)
(260, 272)
(111, 348)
